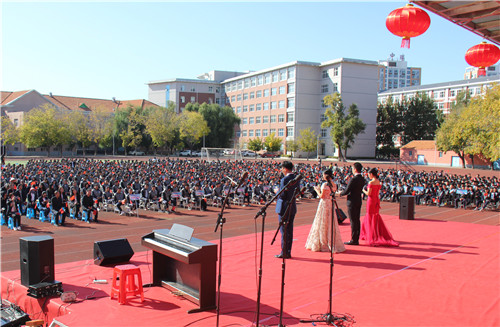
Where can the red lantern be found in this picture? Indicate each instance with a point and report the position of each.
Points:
(482, 55)
(407, 22)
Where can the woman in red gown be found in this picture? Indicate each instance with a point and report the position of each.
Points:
(373, 229)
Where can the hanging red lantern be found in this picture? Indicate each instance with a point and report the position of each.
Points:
(482, 55)
(407, 22)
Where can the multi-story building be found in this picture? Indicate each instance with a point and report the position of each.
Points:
(289, 98)
(181, 91)
(443, 94)
(471, 72)
(394, 74)
(15, 105)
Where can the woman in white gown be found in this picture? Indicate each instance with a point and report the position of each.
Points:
(319, 235)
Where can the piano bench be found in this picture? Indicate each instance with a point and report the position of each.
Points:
(125, 283)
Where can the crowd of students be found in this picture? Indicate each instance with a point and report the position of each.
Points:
(81, 187)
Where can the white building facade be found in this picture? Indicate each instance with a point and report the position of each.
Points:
(394, 74)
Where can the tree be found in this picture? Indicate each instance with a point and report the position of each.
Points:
(353, 125)
(131, 124)
(343, 128)
(482, 125)
(81, 132)
(388, 126)
(43, 127)
(272, 143)
(308, 140)
(450, 135)
(220, 120)
(192, 127)
(161, 125)
(255, 144)
(99, 122)
(10, 135)
(292, 146)
(420, 119)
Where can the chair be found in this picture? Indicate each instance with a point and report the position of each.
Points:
(86, 216)
(10, 223)
(2, 219)
(108, 205)
(52, 216)
(127, 281)
(30, 213)
(72, 212)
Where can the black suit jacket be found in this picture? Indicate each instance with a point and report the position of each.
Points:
(287, 196)
(354, 190)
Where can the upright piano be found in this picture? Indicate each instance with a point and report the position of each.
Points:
(184, 265)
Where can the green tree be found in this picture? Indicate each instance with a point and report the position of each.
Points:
(100, 123)
(450, 135)
(420, 119)
(343, 128)
(9, 132)
(308, 140)
(44, 127)
(220, 120)
(353, 125)
(81, 132)
(192, 127)
(255, 144)
(292, 146)
(272, 143)
(388, 126)
(161, 125)
(130, 122)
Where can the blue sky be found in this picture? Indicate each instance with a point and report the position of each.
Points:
(112, 49)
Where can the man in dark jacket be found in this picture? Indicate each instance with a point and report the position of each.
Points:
(353, 191)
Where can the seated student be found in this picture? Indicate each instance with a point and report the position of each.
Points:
(89, 205)
(199, 199)
(74, 202)
(43, 203)
(119, 200)
(58, 209)
(12, 210)
(97, 194)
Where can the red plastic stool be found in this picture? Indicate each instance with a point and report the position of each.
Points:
(125, 284)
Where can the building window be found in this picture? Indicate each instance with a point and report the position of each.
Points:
(267, 78)
(275, 77)
(323, 105)
(281, 118)
(265, 133)
(266, 92)
(282, 74)
(272, 131)
(291, 102)
(16, 122)
(257, 133)
(251, 120)
(258, 106)
(324, 88)
(238, 97)
(260, 80)
(247, 83)
(238, 134)
(238, 109)
(324, 74)
(335, 87)
(273, 105)
(273, 91)
(240, 85)
(193, 99)
(291, 88)
(250, 133)
(253, 81)
(259, 94)
(273, 118)
(183, 88)
(257, 120)
(252, 95)
(266, 105)
(322, 118)
(265, 119)
(210, 89)
(245, 108)
(335, 71)
(440, 154)
(452, 93)
(244, 121)
(291, 72)
(183, 99)
(245, 96)
(233, 98)
(323, 132)
(441, 94)
(281, 104)
(289, 117)
(244, 133)
(281, 132)
(252, 107)
(282, 89)
(192, 89)
(289, 131)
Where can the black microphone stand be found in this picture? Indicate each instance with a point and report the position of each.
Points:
(284, 222)
(220, 221)
(328, 317)
(262, 212)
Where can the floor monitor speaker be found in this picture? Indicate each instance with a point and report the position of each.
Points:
(112, 252)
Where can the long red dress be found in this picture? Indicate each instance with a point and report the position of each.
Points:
(373, 229)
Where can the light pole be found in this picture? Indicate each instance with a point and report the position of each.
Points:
(114, 129)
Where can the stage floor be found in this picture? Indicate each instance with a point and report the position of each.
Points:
(443, 274)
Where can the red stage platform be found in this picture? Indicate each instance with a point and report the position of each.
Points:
(443, 274)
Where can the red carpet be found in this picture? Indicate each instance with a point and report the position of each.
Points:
(443, 274)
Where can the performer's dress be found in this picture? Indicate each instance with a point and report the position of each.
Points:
(319, 235)
(373, 229)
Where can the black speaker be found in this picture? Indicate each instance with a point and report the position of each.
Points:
(112, 251)
(407, 207)
(37, 259)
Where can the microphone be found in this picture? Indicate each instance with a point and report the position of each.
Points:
(296, 179)
(232, 180)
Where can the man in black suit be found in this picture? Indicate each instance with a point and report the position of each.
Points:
(285, 216)
(353, 191)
